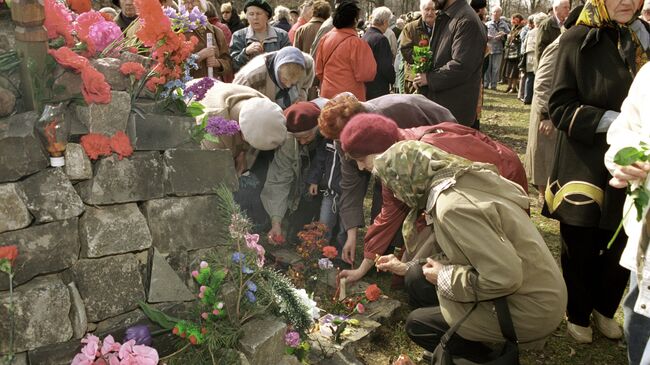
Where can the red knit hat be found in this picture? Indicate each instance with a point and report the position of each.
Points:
(302, 116)
(367, 134)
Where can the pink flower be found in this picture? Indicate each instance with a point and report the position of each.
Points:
(204, 315)
(202, 288)
(251, 240)
(145, 355)
(203, 265)
(360, 308)
(104, 33)
(82, 359)
(110, 345)
(216, 312)
(126, 349)
(92, 345)
(195, 274)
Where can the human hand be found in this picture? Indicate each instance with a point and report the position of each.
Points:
(431, 270)
(546, 127)
(313, 189)
(351, 275)
(349, 250)
(420, 80)
(392, 264)
(254, 49)
(206, 52)
(622, 175)
(275, 234)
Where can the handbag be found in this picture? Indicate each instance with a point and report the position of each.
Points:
(508, 354)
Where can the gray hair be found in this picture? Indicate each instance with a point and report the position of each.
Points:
(381, 15)
(646, 5)
(557, 3)
(281, 12)
(539, 17)
(424, 3)
(497, 8)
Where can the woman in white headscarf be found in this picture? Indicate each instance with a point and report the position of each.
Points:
(283, 76)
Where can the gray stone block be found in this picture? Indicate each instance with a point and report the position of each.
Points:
(68, 84)
(77, 163)
(7, 102)
(158, 131)
(195, 172)
(137, 178)
(382, 310)
(77, 312)
(202, 226)
(263, 341)
(13, 211)
(21, 152)
(49, 196)
(55, 354)
(113, 229)
(110, 68)
(20, 359)
(41, 314)
(43, 249)
(165, 285)
(109, 286)
(107, 118)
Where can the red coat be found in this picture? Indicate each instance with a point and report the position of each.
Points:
(344, 62)
(453, 138)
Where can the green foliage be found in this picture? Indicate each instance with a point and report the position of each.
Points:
(629, 155)
(163, 320)
(292, 309)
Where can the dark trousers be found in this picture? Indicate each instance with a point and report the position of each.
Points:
(426, 325)
(250, 188)
(593, 277)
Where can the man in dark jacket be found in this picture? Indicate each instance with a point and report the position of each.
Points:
(383, 55)
(458, 43)
(549, 29)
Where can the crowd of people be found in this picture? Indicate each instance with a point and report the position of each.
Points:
(327, 96)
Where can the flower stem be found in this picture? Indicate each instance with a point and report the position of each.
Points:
(11, 315)
(618, 229)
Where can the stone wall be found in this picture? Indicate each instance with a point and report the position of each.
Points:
(95, 238)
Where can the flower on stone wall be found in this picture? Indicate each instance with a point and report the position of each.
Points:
(121, 144)
(95, 145)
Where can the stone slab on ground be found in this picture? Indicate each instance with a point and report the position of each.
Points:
(55, 354)
(283, 257)
(78, 317)
(325, 351)
(165, 285)
(113, 229)
(137, 178)
(77, 163)
(203, 226)
(21, 152)
(13, 211)
(197, 172)
(41, 314)
(263, 340)
(42, 249)
(382, 309)
(159, 132)
(50, 197)
(109, 286)
(107, 118)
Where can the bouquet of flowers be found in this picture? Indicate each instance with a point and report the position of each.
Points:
(422, 57)
(108, 351)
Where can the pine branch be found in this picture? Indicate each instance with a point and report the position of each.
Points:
(295, 312)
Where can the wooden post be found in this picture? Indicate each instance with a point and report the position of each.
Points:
(31, 45)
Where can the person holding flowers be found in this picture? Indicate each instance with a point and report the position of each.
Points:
(416, 34)
(487, 247)
(596, 61)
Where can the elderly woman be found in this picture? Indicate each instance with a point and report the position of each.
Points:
(344, 62)
(259, 37)
(487, 247)
(281, 18)
(230, 17)
(215, 56)
(374, 134)
(596, 62)
(284, 76)
(408, 111)
(285, 192)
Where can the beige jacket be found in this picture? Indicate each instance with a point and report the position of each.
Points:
(491, 244)
(255, 75)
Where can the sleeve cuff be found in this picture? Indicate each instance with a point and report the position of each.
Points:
(444, 282)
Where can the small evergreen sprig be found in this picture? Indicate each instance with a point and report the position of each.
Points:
(293, 310)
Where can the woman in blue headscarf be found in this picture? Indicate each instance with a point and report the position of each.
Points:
(283, 76)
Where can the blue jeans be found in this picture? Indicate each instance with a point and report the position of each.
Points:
(491, 76)
(329, 216)
(637, 328)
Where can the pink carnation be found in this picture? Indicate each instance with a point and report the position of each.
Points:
(110, 345)
(104, 33)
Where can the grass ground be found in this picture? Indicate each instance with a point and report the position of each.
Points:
(506, 119)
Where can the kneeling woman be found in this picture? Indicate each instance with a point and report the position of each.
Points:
(488, 248)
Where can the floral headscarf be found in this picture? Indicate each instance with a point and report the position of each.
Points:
(410, 169)
(595, 15)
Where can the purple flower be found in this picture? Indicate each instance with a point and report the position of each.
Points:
(251, 286)
(140, 334)
(237, 257)
(250, 296)
(219, 126)
(325, 264)
(292, 339)
(200, 88)
(246, 270)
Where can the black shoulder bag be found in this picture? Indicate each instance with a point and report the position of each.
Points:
(507, 355)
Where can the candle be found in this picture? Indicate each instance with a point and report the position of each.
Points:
(342, 294)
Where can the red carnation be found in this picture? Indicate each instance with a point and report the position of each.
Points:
(9, 253)
(373, 292)
(132, 68)
(95, 88)
(153, 82)
(330, 252)
(96, 145)
(193, 340)
(80, 6)
(423, 43)
(121, 144)
(65, 57)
